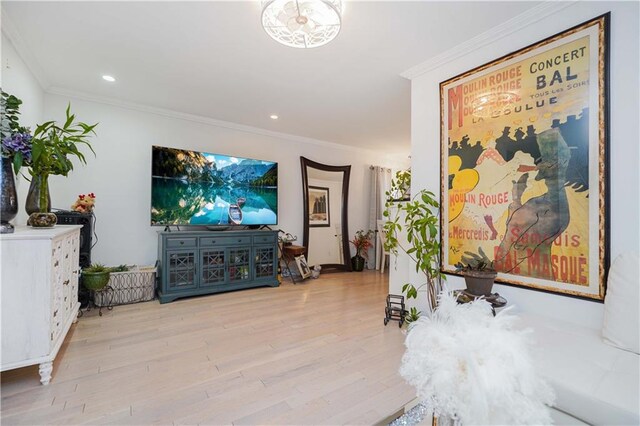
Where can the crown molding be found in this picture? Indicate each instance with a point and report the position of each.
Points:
(10, 30)
(527, 18)
(164, 112)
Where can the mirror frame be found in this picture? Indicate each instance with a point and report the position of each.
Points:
(346, 253)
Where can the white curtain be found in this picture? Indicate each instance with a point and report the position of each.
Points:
(380, 183)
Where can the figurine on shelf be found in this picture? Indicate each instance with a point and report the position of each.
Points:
(84, 203)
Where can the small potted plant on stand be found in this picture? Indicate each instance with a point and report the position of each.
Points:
(362, 243)
(478, 272)
(95, 277)
(52, 146)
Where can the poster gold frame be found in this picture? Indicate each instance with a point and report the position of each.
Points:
(603, 23)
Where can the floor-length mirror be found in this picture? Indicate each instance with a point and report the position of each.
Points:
(325, 191)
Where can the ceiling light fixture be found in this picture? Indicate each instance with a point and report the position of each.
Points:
(273, 116)
(108, 78)
(302, 23)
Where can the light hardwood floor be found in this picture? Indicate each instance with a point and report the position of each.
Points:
(313, 353)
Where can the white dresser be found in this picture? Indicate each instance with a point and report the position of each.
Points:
(39, 297)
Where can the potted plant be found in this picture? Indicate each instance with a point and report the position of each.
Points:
(362, 243)
(419, 218)
(478, 273)
(52, 147)
(16, 152)
(96, 276)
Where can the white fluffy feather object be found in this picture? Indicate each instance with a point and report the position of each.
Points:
(475, 368)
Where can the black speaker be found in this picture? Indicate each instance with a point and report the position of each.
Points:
(86, 220)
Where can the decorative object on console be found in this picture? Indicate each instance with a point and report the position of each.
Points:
(534, 196)
(16, 152)
(52, 146)
(84, 203)
(474, 368)
(362, 243)
(302, 24)
(421, 225)
(319, 213)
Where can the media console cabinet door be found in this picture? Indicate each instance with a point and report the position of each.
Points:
(181, 268)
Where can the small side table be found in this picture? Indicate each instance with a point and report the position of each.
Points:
(289, 254)
(495, 300)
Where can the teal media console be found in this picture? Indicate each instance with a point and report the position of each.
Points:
(192, 263)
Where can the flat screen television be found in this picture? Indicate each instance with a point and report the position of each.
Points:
(200, 188)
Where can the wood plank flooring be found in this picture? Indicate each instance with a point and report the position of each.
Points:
(312, 353)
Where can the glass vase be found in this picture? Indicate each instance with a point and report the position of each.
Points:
(39, 203)
(38, 197)
(9, 201)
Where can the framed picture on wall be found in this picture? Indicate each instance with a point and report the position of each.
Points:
(524, 169)
(319, 206)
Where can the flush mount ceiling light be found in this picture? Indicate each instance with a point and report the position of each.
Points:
(273, 116)
(108, 78)
(302, 23)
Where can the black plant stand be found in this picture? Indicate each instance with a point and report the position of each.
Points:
(395, 309)
(108, 296)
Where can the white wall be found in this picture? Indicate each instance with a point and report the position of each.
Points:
(17, 80)
(624, 104)
(120, 175)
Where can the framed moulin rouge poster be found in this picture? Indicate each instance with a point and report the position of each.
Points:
(524, 164)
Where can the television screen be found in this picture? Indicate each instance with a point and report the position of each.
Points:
(200, 188)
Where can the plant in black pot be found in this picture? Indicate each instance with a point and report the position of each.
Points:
(96, 276)
(362, 243)
(478, 272)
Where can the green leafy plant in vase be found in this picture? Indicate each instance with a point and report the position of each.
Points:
(419, 219)
(53, 146)
(96, 276)
(362, 243)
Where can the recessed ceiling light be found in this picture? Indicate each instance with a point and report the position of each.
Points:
(273, 116)
(108, 78)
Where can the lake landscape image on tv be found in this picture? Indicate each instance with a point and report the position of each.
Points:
(199, 188)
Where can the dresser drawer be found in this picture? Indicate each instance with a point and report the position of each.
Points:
(264, 239)
(225, 241)
(179, 242)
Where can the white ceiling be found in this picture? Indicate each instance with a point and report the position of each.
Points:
(213, 59)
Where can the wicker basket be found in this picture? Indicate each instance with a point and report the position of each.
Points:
(133, 286)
